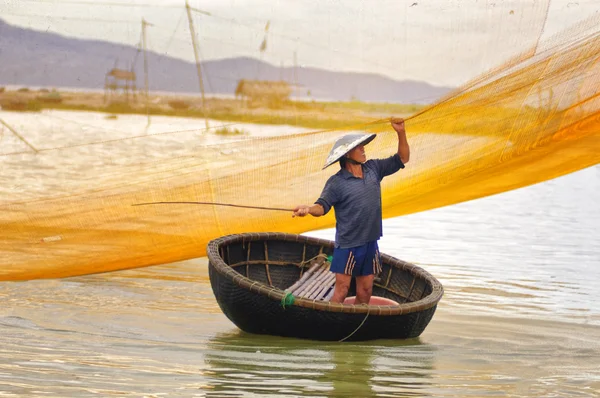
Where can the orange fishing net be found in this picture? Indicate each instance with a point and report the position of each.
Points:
(67, 210)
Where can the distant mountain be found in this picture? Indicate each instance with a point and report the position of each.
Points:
(35, 58)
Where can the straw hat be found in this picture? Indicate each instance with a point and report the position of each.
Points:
(345, 145)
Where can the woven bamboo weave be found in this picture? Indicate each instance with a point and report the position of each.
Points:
(252, 273)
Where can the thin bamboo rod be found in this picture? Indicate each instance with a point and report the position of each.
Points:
(267, 264)
(254, 262)
(303, 259)
(412, 285)
(397, 293)
(387, 282)
(248, 260)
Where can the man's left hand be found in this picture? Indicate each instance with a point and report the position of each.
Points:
(398, 124)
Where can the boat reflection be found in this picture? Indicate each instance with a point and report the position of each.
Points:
(238, 363)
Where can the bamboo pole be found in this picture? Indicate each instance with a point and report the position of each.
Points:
(308, 283)
(19, 136)
(306, 288)
(146, 85)
(317, 284)
(267, 265)
(197, 58)
(304, 277)
(325, 286)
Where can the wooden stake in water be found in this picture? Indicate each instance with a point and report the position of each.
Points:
(19, 136)
(197, 57)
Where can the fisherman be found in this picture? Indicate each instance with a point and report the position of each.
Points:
(354, 192)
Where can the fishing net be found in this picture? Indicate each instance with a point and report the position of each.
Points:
(531, 114)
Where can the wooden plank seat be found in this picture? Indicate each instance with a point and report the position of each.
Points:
(317, 283)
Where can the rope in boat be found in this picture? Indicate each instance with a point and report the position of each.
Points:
(328, 258)
(287, 300)
(359, 326)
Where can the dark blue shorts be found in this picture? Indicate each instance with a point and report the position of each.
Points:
(357, 261)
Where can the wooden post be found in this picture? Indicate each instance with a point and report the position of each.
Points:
(144, 23)
(295, 85)
(19, 136)
(198, 67)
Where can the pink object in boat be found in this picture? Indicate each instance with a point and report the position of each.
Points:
(375, 300)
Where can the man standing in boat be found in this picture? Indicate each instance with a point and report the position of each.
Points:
(354, 192)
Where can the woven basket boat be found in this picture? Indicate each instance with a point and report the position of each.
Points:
(249, 275)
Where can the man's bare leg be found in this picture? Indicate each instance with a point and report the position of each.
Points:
(342, 284)
(364, 289)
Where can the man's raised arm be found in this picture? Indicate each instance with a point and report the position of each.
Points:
(403, 148)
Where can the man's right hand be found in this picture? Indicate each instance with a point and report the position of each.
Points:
(301, 211)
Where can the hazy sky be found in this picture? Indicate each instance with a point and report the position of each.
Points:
(439, 41)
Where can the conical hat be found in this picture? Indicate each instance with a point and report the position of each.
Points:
(345, 145)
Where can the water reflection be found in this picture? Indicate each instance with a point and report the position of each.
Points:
(238, 363)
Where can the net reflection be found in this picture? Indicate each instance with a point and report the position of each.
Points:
(238, 363)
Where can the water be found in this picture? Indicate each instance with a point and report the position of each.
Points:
(111, 145)
(519, 317)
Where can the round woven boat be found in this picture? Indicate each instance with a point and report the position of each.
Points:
(249, 274)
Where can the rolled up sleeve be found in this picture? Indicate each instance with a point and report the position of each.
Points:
(388, 166)
(329, 196)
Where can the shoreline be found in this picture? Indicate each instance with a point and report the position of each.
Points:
(299, 113)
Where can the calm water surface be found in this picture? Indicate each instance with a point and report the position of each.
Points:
(519, 318)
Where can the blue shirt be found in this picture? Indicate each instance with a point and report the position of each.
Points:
(357, 201)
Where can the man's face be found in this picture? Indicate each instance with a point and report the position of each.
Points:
(358, 154)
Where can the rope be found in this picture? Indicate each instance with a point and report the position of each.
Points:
(359, 326)
(287, 300)
(214, 204)
(302, 263)
(174, 31)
